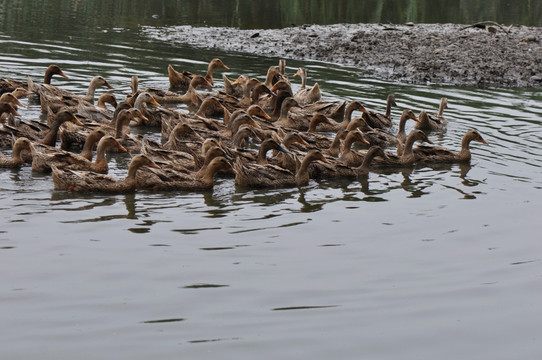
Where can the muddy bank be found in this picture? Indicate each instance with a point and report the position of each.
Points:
(490, 56)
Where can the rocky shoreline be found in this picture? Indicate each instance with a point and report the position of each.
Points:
(486, 55)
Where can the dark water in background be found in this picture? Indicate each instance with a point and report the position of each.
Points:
(439, 263)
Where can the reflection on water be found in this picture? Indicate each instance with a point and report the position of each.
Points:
(334, 267)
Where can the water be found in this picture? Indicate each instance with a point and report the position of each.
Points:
(424, 263)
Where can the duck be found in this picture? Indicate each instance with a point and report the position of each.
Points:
(170, 179)
(407, 156)
(291, 121)
(437, 154)
(348, 156)
(291, 142)
(241, 138)
(260, 157)
(373, 136)
(57, 98)
(425, 123)
(6, 107)
(153, 116)
(100, 112)
(342, 171)
(379, 120)
(335, 146)
(89, 181)
(11, 99)
(439, 117)
(334, 126)
(182, 137)
(60, 118)
(306, 95)
(92, 139)
(182, 79)
(43, 161)
(16, 160)
(405, 116)
(268, 175)
(234, 88)
(191, 96)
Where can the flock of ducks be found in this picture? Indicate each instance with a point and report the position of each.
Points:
(262, 133)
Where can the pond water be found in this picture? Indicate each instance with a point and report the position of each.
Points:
(423, 263)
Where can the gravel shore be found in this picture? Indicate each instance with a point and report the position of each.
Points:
(489, 55)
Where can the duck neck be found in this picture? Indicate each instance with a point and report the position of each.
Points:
(369, 156)
(88, 146)
(441, 108)
(91, 91)
(100, 151)
(50, 138)
(17, 153)
(48, 76)
(388, 107)
(262, 153)
(119, 129)
(132, 171)
(303, 79)
(347, 146)
(284, 109)
(336, 143)
(348, 112)
(302, 175)
(402, 125)
(409, 143)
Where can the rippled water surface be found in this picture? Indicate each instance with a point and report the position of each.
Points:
(441, 263)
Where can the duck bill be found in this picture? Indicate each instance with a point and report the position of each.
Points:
(482, 140)
(255, 124)
(302, 142)
(108, 86)
(18, 103)
(282, 149)
(120, 147)
(154, 102)
(76, 121)
(224, 66)
(264, 114)
(415, 118)
(63, 75)
(274, 87)
(152, 164)
(236, 82)
(14, 112)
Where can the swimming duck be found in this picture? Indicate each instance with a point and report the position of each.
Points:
(335, 146)
(256, 175)
(191, 97)
(100, 112)
(182, 79)
(11, 99)
(425, 123)
(8, 108)
(405, 115)
(170, 179)
(44, 160)
(57, 98)
(362, 170)
(16, 159)
(439, 117)
(348, 156)
(306, 95)
(241, 138)
(438, 154)
(379, 120)
(88, 181)
(407, 156)
(60, 118)
(91, 141)
(291, 121)
(182, 138)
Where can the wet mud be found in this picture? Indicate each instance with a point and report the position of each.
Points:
(488, 55)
